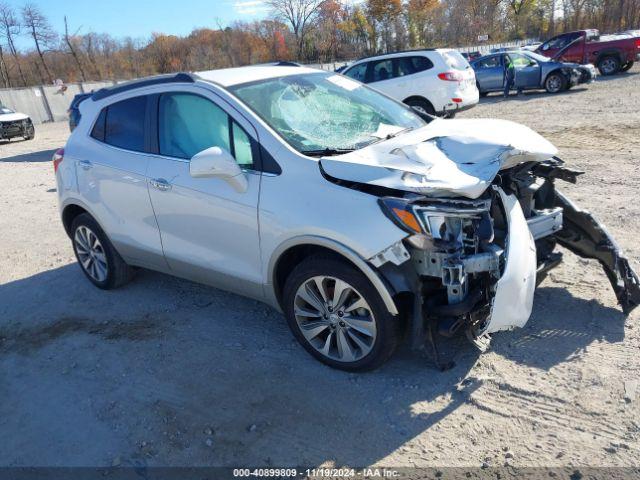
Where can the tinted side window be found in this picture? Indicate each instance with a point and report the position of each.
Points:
(382, 70)
(98, 127)
(189, 124)
(411, 65)
(489, 62)
(125, 124)
(359, 72)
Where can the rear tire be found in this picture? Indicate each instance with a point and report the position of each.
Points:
(555, 83)
(332, 329)
(99, 261)
(609, 65)
(422, 106)
(626, 67)
(482, 94)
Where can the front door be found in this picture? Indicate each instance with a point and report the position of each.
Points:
(209, 230)
(527, 71)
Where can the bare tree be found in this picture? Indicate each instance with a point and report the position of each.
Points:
(4, 73)
(299, 14)
(9, 29)
(40, 31)
(69, 41)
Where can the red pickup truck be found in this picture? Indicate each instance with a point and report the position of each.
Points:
(610, 53)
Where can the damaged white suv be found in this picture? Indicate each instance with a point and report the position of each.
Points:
(329, 201)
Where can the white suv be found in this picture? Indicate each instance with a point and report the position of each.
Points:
(325, 199)
(439, 82)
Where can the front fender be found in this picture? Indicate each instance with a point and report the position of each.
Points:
(340, 249)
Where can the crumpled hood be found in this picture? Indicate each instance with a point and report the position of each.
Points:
(12, 117)
(444, 158)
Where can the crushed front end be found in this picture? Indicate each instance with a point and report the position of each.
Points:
(483, 217)
(476, 262)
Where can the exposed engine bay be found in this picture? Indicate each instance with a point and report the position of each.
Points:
(483, 218)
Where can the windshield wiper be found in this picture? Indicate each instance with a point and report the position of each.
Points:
(326, 152)
(390, 136)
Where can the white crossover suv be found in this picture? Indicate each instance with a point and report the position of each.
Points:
(439, 81)
(333, 203)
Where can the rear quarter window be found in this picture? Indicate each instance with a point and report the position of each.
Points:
(411, 65)
(454, 60)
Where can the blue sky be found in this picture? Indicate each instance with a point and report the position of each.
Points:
(140, 18)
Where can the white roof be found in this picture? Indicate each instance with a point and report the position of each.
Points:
(234, 76)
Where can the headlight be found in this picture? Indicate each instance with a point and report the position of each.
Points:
(438, 219)
(400, 212)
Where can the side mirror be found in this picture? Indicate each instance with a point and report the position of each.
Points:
(217, 162)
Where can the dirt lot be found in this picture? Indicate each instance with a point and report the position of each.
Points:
(167, 372)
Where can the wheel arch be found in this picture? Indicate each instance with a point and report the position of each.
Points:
(71, 208)
(419, 98)
(561, 70)
(69, 213)
(291, 253)
(611, 52)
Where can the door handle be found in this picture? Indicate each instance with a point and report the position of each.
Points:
(160, 184)
(85, 164)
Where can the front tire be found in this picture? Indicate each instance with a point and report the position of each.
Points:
(99, 261)
(338, 316)
(555, 83)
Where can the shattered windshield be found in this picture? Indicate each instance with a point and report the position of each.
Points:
(325, 112)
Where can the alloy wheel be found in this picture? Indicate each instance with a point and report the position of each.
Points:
(335, 318)
(608, 66)
(554, 84)
(91, 253)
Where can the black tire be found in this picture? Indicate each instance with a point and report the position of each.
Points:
(31, 133)
(388, 326)
(626, 67)
(482, 94)
(422, 106)
(118, 272)
(609, 65)
(555, 82)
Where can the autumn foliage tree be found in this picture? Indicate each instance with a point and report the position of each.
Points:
(308, 31)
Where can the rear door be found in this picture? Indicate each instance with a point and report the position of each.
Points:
(209, 230)
(409, 82)
(490, 73)
(111, 166)
(381, 76)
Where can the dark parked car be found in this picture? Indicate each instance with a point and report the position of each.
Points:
(74, 112)
(533, 71)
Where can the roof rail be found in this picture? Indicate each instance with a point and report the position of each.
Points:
(144, 82)
(394, 53)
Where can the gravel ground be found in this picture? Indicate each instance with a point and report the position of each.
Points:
(167, 372)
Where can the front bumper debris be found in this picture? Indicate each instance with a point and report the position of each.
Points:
(586, 237)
